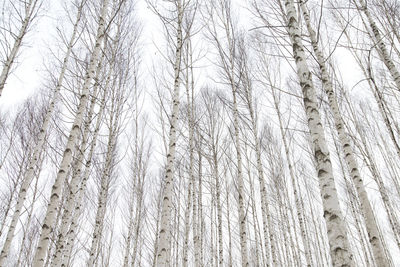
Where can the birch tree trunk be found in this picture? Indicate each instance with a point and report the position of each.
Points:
(212, 128)
(242, 213)
(383, 51)
(31, 8)
(378, 95)
(230, 256)
(141, 154)
(189, 84)
(102, 200)
(344, 140)
(200, 233)
(353, 201)
(196, 221)
(299, 206)
(336, 229)
(69, 240)
(265, 211)
(164, 235)
(226, 47)
(377, 176)
(76, 176)
(40, 142)
(115, 113)
(48, 223)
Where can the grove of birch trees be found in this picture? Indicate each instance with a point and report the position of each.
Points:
(200, 133)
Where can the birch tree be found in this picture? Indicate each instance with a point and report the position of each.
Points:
(29, 118)
(23, 13)
(338, 240)
(70, 147)
(180, 8)
(366, 207)
(41, 138)
(226, 52)
(378, 39)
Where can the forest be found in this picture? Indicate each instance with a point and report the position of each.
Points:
(200, 133)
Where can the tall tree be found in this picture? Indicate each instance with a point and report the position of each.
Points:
(25, 12)
(71, 144)
(41, 138)
(338, 239)
(350, 158)
(181, 11)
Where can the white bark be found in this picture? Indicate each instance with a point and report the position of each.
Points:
(369, 159)
(383, 51)
(344, 140)
(130, 234)
(102, 200)
(336, 229)
(30, 9)
(198, 244)
(137, 227)
(163, 259)
(195, 225)
(116, 109)
(219, 206)
(265, 211)
(76, 176)
(139, 169)
(48, 223)
(189, 84)
(299, 206)
(39, 146)
(226, 47)
(242, 213)
(79, 200)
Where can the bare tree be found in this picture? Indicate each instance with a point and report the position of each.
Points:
(352, 165)
(41, 139)
(181, 11)
(70, 147)
(21, 15)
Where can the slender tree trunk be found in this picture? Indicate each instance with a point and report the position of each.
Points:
(200, 204)
(101, 206)
(30, 216)
(383, 51)
(382, 108)
(115, 113)
(30, 8)
(164, 234)
(344, 140)
(39, 146)
(242, 212)
(257, 243)
(196, 222)
(189, 84)
(47, 227)
(229, 225)
(265, 212)
(336, 229)
(195, 226)
(138, 217)
(187, 223)
(114, 120)
(76, 176)
(369, 159)
(69, 240)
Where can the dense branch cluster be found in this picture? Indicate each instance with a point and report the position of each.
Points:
(202, 133)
